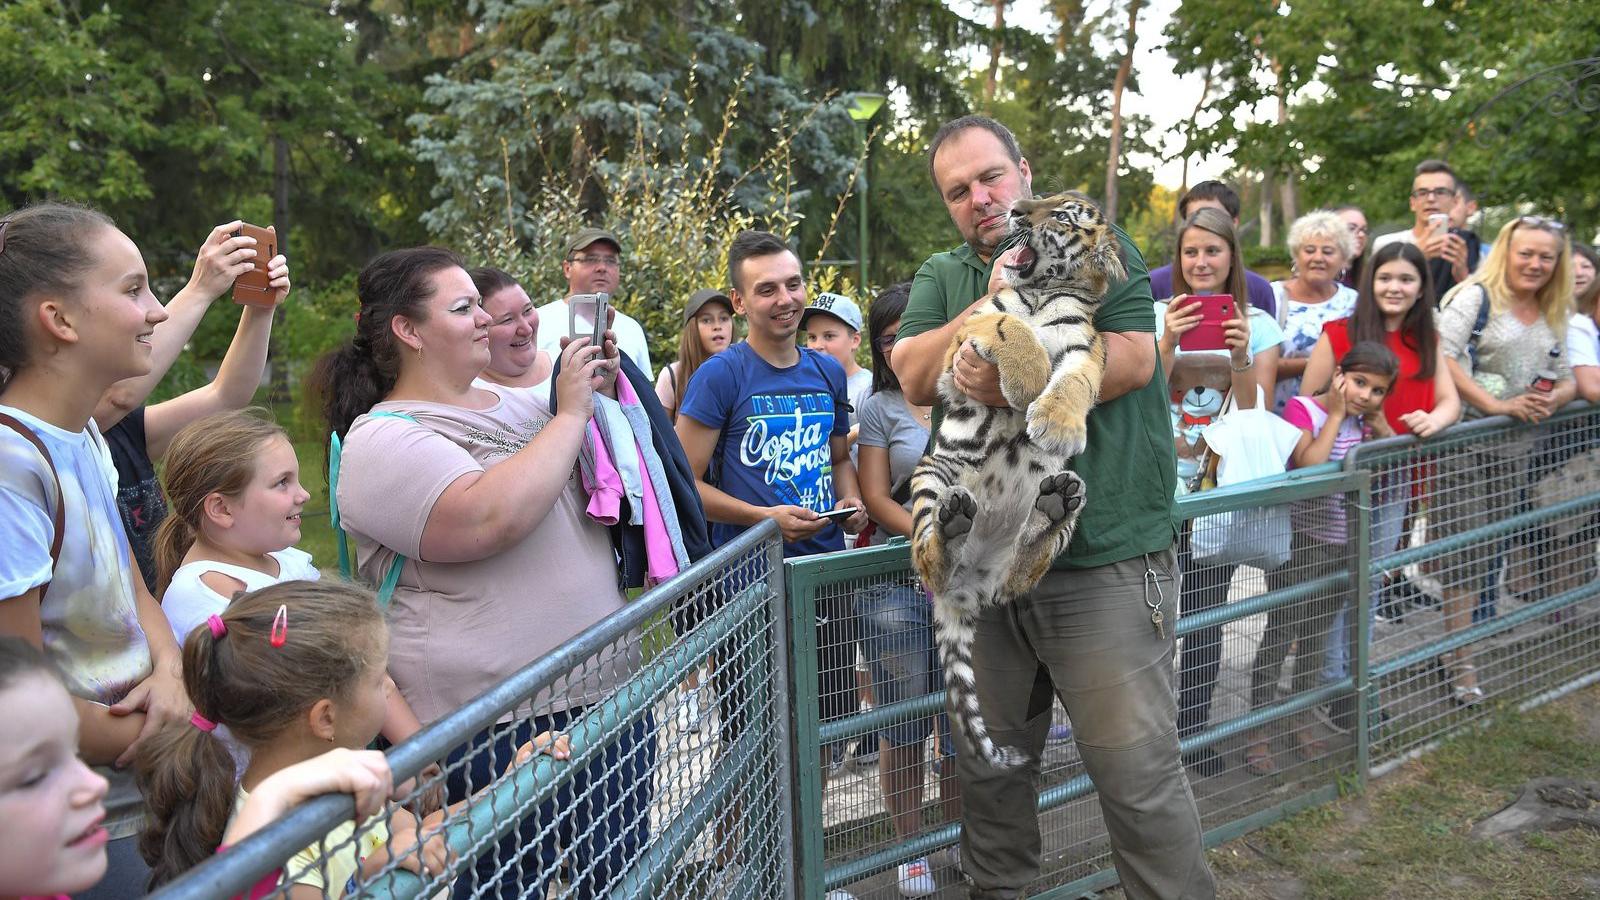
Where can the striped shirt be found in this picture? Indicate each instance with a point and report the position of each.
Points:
(1322, 518)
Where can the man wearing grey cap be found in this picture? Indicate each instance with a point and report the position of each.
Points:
(592, 265)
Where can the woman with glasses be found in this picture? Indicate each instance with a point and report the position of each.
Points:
(1504, 336)
(1356, 221)
(1321, 245)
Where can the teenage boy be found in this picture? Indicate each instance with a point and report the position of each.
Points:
(764, 426)
(1436, 193)
(832, 325)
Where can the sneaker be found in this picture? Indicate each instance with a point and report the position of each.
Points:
(916, 879)
(836, 759)
(1060, 733)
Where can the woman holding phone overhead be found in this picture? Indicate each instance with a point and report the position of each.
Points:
(471, 488)
(1209, 267)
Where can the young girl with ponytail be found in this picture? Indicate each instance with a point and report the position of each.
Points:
(76, 316)
(293, 670)
(233, 483)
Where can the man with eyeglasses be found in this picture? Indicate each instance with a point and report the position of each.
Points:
(592, 265)
(1451, 258)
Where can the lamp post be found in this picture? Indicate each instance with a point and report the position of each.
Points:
(863, 106)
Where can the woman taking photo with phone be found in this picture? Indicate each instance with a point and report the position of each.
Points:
(472, 491)
(1321, 245)
(1201, 381)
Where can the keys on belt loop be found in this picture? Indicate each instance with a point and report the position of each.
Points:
(1152, 583)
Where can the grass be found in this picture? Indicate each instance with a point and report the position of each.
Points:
(1409, 835)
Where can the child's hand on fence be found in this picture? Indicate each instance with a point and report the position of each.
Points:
(363, 774)
(558, 746)
(1379, 425)
(419, 846)
(424, 794)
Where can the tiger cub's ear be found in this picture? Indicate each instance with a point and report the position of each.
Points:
(1106, 256)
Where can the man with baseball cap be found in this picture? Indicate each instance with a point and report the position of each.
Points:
(592, 265)
(832, 325)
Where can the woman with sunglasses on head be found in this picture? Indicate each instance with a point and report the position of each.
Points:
(1504, 335)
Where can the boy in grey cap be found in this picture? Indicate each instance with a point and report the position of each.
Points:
(832, 325)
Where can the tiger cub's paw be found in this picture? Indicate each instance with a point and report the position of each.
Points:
(1059, 496)
(1058, 428)
(956, 513)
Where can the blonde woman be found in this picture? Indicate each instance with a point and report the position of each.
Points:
(1522, 295)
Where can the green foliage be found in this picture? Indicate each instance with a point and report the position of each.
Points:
(672, 207)
(1376, 86)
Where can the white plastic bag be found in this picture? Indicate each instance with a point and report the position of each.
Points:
(1250, 444)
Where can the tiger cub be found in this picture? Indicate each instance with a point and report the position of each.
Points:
(993, 502)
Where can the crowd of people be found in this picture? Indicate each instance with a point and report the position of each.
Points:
(171, 657)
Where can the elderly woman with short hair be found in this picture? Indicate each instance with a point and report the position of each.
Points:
(1321, 245)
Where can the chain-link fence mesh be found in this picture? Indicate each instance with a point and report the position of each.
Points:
(674, 716)
(1331, 621)
(1484, 585)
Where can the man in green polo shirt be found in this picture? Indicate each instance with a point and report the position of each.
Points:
(1089, 630)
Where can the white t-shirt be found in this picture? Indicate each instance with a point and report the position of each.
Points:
(859, 387)
(89, 616)
(630, 334)
(1583, 341)
(188, 602)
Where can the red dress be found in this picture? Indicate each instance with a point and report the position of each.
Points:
(1409, 391)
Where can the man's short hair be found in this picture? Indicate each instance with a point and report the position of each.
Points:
(956, 126)
(751, 243)
(1465, 192)
(1436, 166)
(1210, 190)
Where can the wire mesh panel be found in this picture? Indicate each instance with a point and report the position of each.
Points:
(647, 757)
(1484, 572)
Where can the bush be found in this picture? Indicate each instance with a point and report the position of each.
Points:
(675, 209)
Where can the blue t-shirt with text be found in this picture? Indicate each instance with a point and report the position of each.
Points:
(776, 426)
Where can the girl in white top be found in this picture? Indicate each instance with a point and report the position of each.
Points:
(76, 315)
(234, 485)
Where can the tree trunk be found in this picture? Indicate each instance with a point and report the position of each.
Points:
(1124, 69)
(1266, 209)
(1287, 183)
(991, 81)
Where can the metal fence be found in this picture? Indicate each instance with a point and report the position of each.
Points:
(1289, 688)
(662, 795)
(1329, 617)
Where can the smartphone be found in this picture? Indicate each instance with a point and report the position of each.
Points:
(1438, 225)
(254, 288)
(839, 515)
(1214, 310)
(586, 316)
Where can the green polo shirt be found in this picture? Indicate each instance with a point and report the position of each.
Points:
(1129, 470)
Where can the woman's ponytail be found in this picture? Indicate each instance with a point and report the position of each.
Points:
(349, 380)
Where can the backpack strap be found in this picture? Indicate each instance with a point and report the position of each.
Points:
(59, 517)
(391, 578)
(1478, 326)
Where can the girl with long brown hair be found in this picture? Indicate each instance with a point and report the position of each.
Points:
(708, 329)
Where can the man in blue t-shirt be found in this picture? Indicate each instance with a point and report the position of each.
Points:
(764, 422)
(765, 427)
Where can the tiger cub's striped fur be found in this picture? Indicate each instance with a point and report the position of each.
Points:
(993, 503)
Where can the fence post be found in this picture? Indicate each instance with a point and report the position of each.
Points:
(801, 588)
(1364, 702)
(788, 813)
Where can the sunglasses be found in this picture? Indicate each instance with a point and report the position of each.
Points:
(1531, 221)
(886, 341)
